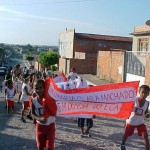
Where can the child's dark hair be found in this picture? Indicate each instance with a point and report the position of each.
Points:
(8, 77)
(145, 87)
(18, 74)
(40, 81)
(9, 82)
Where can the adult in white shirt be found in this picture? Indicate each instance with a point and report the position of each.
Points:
(73, 75)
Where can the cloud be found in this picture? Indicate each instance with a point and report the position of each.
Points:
(26, 15)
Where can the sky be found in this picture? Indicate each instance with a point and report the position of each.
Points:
(39, 22)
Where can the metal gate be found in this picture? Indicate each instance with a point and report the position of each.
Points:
(135, 63)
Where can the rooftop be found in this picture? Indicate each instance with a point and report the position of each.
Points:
(103, 37)
(141, 30)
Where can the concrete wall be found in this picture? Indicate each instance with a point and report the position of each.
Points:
(66, 41)
(110, 65)
(62, 65)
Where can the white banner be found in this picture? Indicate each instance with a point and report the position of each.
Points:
(109, 96)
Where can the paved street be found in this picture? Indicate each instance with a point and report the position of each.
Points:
(106, 132)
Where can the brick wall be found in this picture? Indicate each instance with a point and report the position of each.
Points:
(110, 65)
(84, 66)
(92, 46)
(147, 70)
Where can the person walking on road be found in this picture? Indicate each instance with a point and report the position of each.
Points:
(44, 112)
(25, 96)
(136, 118)
(73, 74)
(9, 96)
(16, 71)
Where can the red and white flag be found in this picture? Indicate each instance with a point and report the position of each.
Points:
(114, 100)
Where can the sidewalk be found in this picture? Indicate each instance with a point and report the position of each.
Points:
(94, 80)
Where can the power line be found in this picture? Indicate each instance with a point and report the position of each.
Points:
(46, 3)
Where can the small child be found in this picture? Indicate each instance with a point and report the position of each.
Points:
(31, 90)
(4, 85)
(19, 86)
(25, 96)
(136, 119)
(9, 96)
(44, 112)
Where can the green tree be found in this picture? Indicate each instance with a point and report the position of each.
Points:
(48, 58)
(29, 57)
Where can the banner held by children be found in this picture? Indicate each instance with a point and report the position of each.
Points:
(114, 100)
(60, 78)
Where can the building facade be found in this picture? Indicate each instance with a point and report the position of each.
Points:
(137, 59)
(119, 66)
(80, 50)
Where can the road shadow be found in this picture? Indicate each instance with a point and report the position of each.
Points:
(16, 143)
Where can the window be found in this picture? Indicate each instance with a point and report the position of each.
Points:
(142, 47)
(129, 46)
(102, 44)
(115, 45)
(83, 43)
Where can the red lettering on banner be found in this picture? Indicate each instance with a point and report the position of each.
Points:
(80, 106)
(73, 98)
(97, 98)
(104, 97)
(111, 95)
(69, 106)
(121, 96)
(63, 106)
(97, 106)
(116, 95)
(131, 94)
(79, 98)
(114, 107)
(125, 94)
(109, 107)
(89, 98)
(106, 107)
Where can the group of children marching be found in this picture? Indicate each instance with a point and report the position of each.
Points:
(31, 94)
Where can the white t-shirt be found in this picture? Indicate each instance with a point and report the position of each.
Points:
(24, 96)
(73, 75)
(39, 110)
(10, 93)
(19, 85)
(135, 119)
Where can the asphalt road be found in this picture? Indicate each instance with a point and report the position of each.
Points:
(106, 132)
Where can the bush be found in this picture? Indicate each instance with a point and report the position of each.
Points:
(29, 57)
